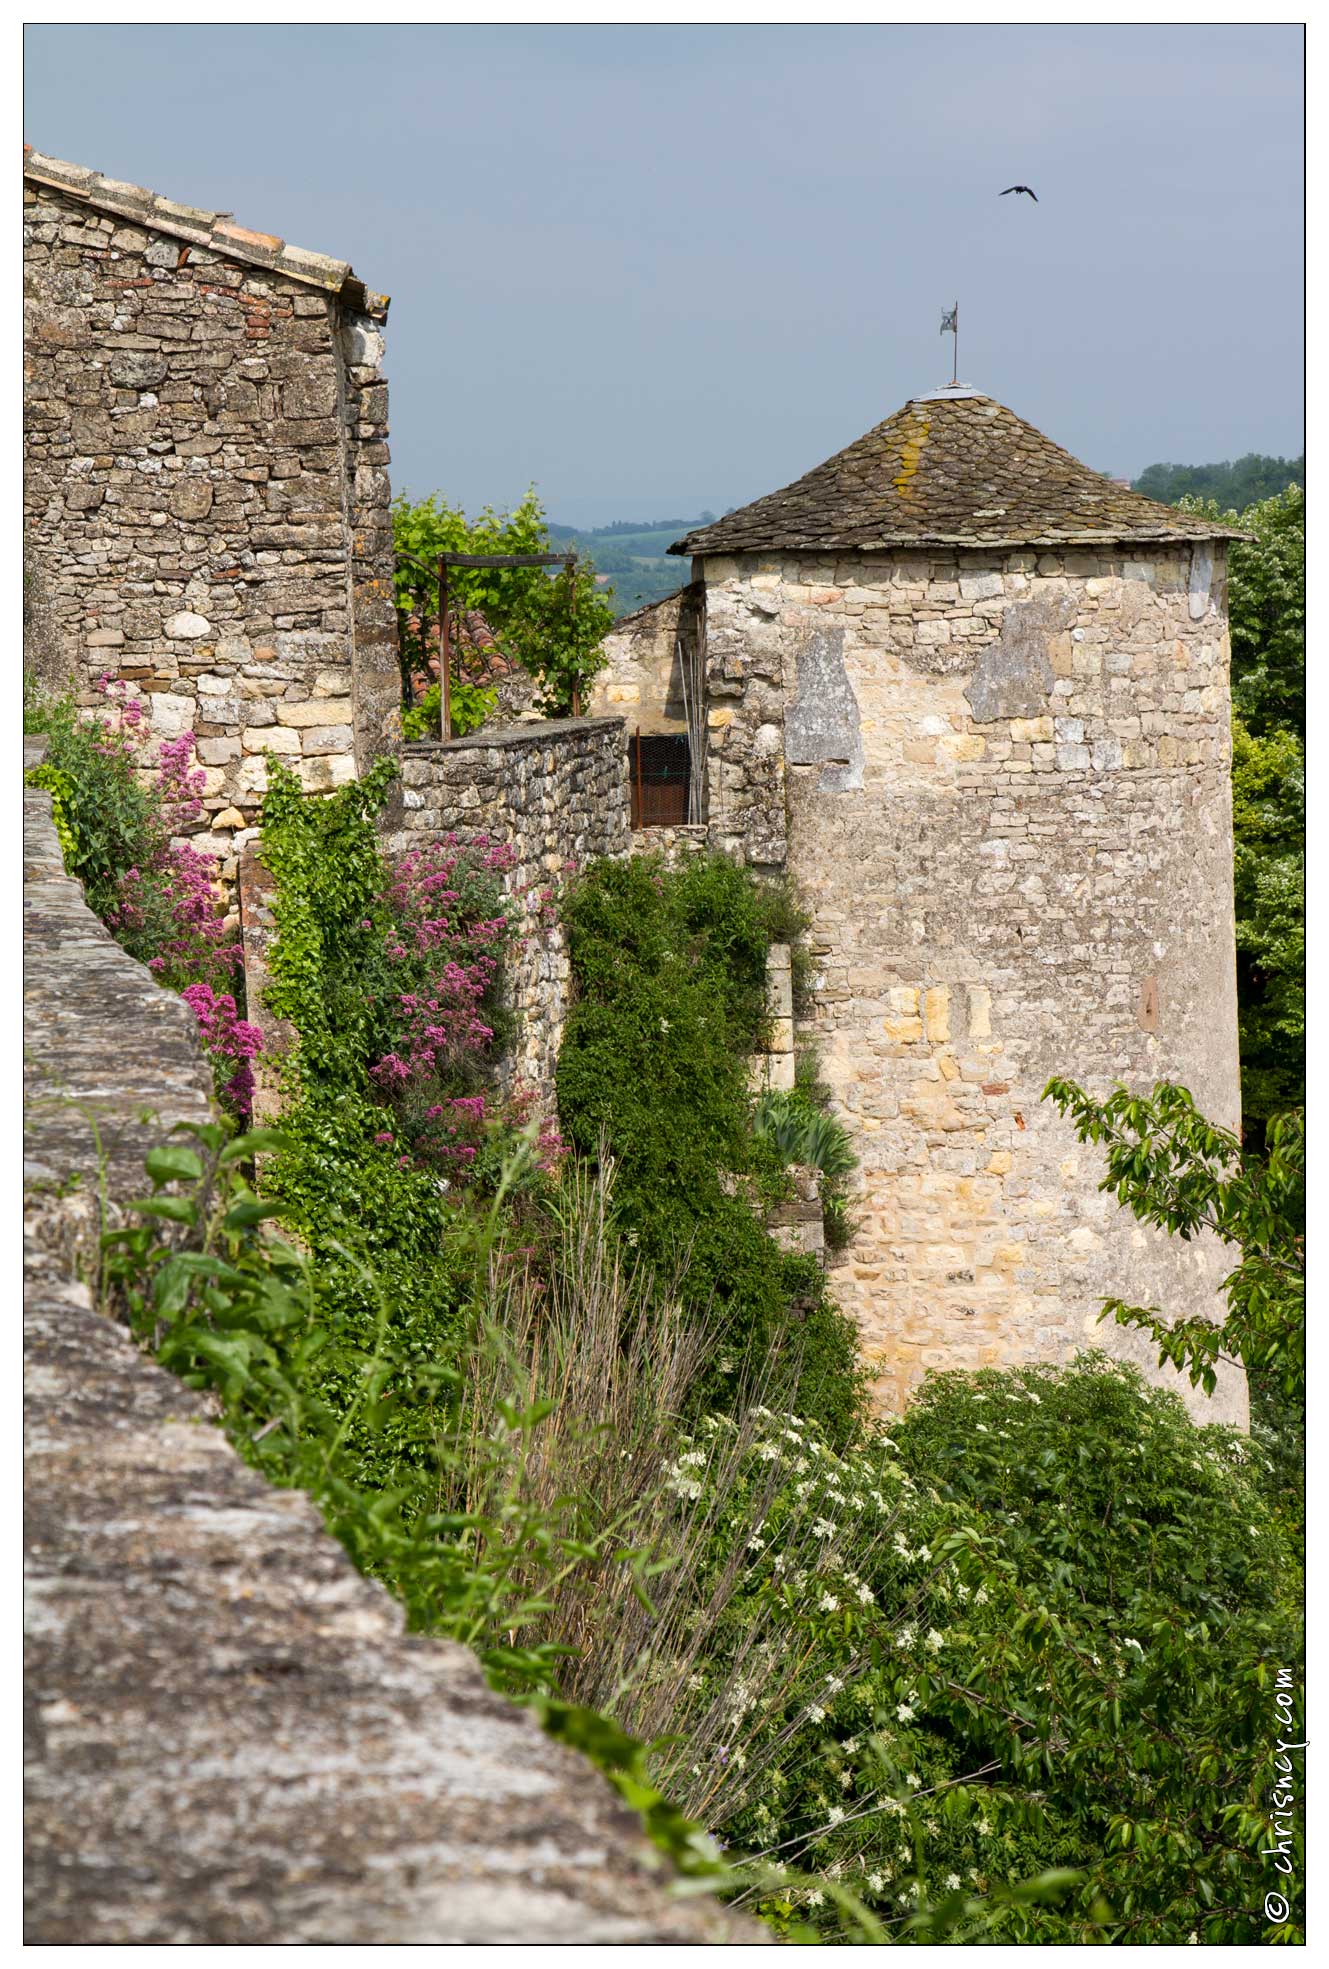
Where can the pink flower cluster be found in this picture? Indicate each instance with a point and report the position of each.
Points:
(227, 1037)
(445, 942)
(194, 954)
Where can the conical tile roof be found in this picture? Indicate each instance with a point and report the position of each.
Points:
(951, 469)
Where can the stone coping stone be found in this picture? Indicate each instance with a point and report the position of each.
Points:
(111, 1060)
(542, 733)
(229, 1736)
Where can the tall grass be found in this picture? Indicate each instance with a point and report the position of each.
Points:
(659, 1561)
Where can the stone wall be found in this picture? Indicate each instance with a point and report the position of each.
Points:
(642, 680)
(557, 793)
(1003, 788)
(228, 1737)
(206, 495)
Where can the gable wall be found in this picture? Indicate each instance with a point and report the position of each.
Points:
(206, 499)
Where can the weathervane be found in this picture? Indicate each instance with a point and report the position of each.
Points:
(951, 321)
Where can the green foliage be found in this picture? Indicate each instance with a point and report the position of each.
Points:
(799, 1126)
(1269, 881)
(1239, 485)
(1267, 616)
(107, 821)
(1267, 610)
(1028, 1637)
(669, 968)
(64, 807)
(324, 857)
(1173, 1169)
(1129, 1601)
(468, 704)
(362, 1206)
(554, 628)
(801, 1132)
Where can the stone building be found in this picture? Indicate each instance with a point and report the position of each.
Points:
(970, 695)
(206, 493)
(973, 698)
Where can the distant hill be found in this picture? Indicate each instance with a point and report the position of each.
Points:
(1234, 486)
(634, 554)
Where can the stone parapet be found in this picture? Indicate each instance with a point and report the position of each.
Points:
(111, 1060)
(229, 1738)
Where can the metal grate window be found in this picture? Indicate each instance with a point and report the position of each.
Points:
(661, 770)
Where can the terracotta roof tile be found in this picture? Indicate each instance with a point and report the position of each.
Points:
(955, 469)
(214, 229)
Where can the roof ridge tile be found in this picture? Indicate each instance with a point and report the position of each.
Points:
(216, 230)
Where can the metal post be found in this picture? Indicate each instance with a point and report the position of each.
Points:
(444, 653)
(404, 657)
(572, 615)
(955, 346)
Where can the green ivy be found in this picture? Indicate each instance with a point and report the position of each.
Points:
(670, 974)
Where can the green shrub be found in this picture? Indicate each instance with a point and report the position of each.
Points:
(670, 976)
(469, 704)
(108, 819)
(1137, 1602)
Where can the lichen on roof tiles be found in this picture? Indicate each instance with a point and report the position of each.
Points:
(216, 230)
(952, 470)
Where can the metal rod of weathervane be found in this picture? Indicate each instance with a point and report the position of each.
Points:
(950, 322)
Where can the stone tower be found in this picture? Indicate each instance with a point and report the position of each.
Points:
(973, 697)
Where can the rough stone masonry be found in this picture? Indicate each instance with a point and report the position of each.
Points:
(973, 697)
(206, 493)
(555, 792)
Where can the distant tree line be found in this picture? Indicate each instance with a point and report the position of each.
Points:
(1245, 483)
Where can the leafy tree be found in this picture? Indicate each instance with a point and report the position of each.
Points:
(554, 628)
(1269, 831)
(1172, 1168)
(1267, 614)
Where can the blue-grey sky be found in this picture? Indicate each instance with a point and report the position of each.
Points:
(654, 269)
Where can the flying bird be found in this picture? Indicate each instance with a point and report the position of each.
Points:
(1024, 188)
